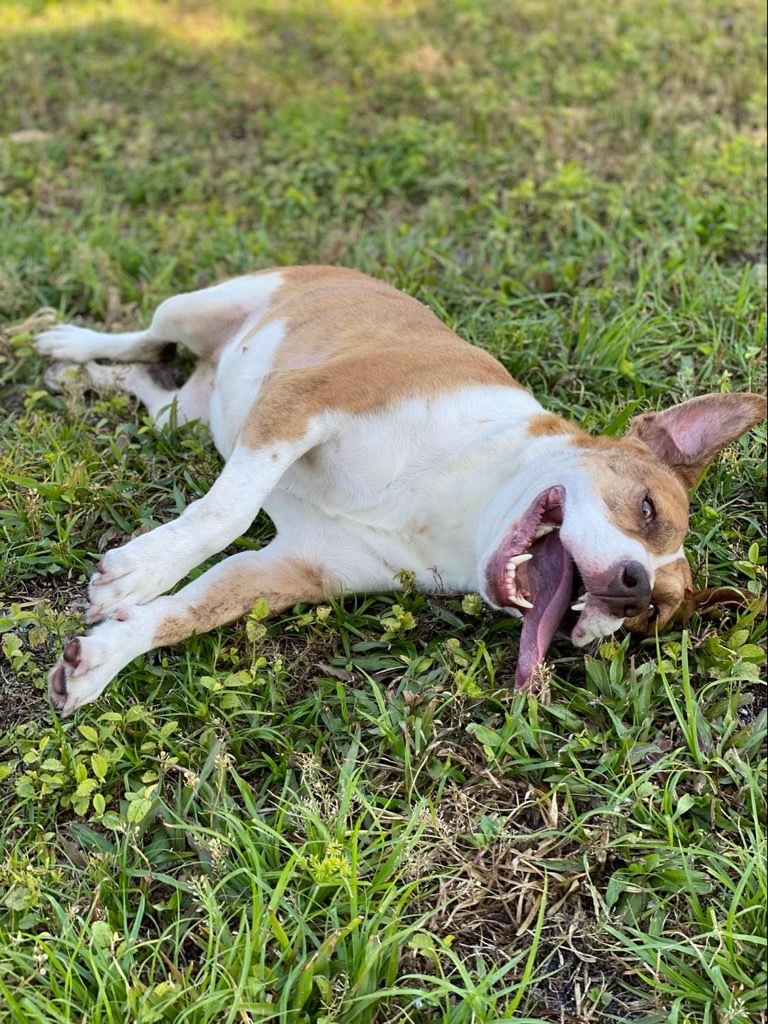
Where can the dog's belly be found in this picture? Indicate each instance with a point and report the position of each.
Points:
(367, 551)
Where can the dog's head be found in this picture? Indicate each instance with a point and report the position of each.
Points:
(601, 544)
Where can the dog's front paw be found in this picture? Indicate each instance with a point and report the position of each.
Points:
(86, 666)
(131, 575)
(69, 344)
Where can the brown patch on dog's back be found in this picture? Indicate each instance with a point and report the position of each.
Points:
(549, 424)
(355, 344)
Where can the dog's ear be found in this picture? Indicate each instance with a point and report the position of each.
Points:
(701, 601)
(716, 597)
(688, 436)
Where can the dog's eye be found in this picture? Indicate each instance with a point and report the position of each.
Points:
(648, 509)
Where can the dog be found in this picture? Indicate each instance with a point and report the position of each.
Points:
(379, 441)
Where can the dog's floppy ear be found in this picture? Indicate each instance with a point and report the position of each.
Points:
(688, 436)
(716, 597)
(693, 601)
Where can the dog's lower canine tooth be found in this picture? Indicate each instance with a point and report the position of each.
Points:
(519, 559)
(579, 607)
(520, 601)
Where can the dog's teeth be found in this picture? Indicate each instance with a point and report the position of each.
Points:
(520, 601)
(579, 607)
(543, 529)
(519, 559)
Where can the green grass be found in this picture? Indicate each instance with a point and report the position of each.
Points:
(346, 814)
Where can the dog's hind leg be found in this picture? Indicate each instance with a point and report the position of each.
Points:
(200, 320)
(70, 344)
(151, 385)
(222, 594)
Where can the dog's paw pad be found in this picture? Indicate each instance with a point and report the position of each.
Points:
(57, 683)
(60, 679)
(89, 662)
(71, 653)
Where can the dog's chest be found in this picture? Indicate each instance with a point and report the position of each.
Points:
(418, 450)
(412, 482)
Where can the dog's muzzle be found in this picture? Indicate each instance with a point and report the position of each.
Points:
(628, 594)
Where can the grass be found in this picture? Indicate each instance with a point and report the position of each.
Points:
(346, 814)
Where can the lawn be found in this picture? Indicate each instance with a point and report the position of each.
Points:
(346, 814)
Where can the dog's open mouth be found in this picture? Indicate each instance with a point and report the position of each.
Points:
(532, 571)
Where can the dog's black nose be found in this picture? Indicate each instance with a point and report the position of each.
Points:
(638, 589)
(630, 593)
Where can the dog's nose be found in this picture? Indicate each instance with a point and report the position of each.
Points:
(630, 592)
(638, 589)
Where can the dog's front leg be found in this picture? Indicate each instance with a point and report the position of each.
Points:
(151, 564)
(221, 595)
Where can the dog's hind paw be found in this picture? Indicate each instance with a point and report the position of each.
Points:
(70, 344)
(65, 377)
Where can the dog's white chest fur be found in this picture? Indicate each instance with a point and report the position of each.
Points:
(406, 485)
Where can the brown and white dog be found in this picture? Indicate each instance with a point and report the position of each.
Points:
(377, 440)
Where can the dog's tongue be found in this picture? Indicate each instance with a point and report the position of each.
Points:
(550, 579)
